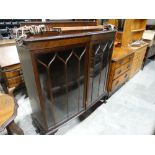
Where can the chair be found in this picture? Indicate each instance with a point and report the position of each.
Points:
(8, 112)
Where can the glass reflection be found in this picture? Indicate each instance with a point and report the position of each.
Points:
(98, 70)
(62, 82)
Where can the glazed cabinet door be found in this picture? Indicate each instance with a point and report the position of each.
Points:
(62, 76)
(100, 56)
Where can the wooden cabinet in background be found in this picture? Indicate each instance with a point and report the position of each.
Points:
(120, 68)
(131, 58)
(129, 30)
(139, 54)
(13, 75)
(10, 68)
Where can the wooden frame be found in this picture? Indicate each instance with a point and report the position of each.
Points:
(62, 23)
(30, 50)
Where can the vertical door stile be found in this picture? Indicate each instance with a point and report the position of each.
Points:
(108, 62)
(34, 59)
(50, 88)
(100, 71)
(87, 73)
(78, 81)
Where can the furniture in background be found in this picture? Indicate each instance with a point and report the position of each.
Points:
(149, 37)
(65, 74)
(119, 24)
(62, 23)
(7, 24)
(10, 69)
(8, 112)
(120, 68)
(133, 31)
(139, 54)
(129, 31)
(150, 24)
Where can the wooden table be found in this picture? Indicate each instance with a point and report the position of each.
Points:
(8, 112)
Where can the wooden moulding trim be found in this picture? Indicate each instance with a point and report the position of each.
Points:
(58, 22)
(61, 23)
(64, 41)
(122, 57)
(79, 28)
(56, 43)
(4, 125)
(64, 36)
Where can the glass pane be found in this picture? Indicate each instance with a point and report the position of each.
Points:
(98, 70)
(57, 76)
(62, 81)
(43, 74)
(104, 70)
(75, 76)
(72, 77)
(81, 83)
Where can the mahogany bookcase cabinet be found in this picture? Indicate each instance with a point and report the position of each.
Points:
(65, 75)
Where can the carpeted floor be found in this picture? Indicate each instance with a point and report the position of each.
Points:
(131, 110)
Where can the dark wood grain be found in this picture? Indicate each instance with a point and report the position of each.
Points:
(58, 72)
(62, 23)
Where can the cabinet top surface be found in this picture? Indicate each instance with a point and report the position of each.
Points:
(56, 37)
(136, 48)
(50, 22)
(78, 28)
(120, 53)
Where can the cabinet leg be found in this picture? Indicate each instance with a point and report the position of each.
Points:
(104, 100)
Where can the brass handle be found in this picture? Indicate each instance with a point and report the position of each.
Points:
(125, 75)
(116, 83)
(130, 58)
(119, 72)
(21, 71)
(121, 62)
(128, 66)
